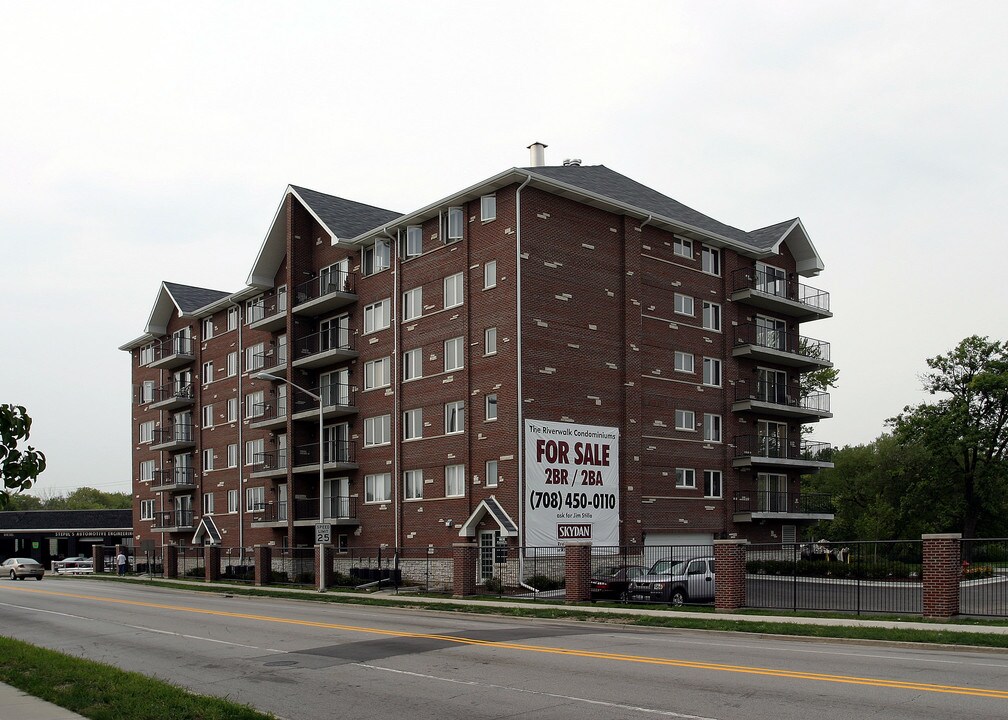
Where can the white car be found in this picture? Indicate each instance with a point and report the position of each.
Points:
(73, 565)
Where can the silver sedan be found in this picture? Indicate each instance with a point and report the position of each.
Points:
(20, 568)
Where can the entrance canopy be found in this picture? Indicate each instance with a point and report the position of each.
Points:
(491, 507)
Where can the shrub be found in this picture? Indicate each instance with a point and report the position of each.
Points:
(816, 568)
(197, 571)
(544, 582)
(976, 572)
(493, 585)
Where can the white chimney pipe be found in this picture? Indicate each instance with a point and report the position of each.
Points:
(537, 153)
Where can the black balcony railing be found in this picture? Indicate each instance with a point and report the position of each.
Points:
(782, 448)
(335, 508)
(274, 460)
(332, 394)
(179, 345)
(173, 391)
(270, 512)
(773, 501)
(334, 451)
(174, 432)
(175, 476)
(272, 303)
(780, 394)
(772, 283)
(331, 339)
(783, 340)
(268, 411)
(325, 283)
(271, 358)
(173, 519)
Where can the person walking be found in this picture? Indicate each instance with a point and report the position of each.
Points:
(121, 562)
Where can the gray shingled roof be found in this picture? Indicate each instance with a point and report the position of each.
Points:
(768, 236)
(345, 218)
(27, 520)
(601, 180)
(190, 299)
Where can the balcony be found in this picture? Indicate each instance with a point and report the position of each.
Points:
(270, 464)
(337, 455)
(175, 436)
(173, 352)
(753, 505)
(174, 480)
(328, 347)
(781, 453)
(172, 396)
(271, 514)
(329, 290)
(778, 295)
(269, 415)
(773, 400)
(780, 347)
(338, 400)
(270, 312)
(273, 361)
(335, 510)
(173, 521)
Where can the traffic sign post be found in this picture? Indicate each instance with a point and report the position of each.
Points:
(323, 536)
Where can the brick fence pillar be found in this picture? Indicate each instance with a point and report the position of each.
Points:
(328, 560)
(464, 575)
(171, 561)
(577, 571)
(263, 557)
(211, 562)
(940, 574)
(98, 558)
(730, 575)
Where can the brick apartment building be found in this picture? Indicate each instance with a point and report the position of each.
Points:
(563, 294)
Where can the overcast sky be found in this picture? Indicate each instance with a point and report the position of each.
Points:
(142, 142)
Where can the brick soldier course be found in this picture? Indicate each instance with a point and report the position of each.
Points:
(558, 293)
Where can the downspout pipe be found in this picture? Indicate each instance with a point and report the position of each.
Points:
(394, 265)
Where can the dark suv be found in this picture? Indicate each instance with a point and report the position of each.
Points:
(675, 582)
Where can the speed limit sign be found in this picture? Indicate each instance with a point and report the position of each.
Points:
(323, 533)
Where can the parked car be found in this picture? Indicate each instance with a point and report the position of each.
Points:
(676, 582)
(20, 568)
(611, 582)
(77, 564)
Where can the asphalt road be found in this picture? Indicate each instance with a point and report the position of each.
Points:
(308, 660)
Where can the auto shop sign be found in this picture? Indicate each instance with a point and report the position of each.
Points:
(571, 484)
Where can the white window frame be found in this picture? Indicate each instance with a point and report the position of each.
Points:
(207, 328)
(713, 428)
(232, 318)
(208, 372)
(454, 224)
(147, 471)
(413, 424)
(255, 498)
(371, 488)
(412, 304)
(683, 304)
(454, 354)
(712, 478)
(208, 416)
(490, 408)
(413, 483)
(712, 372)
(685, 479)
(232, 455)
(490, 341)
(454, 417)
(253, 448)
(711, 316)
(208, 503)
(232, 410)
(378, 373)
(489, 274)
(232, 363)
(377, 430)
(685, 420)
(376, 316)
(414, 241)
(208, 459)
(454, 481)
(413, 364)
(453, 291)
(683, 247)
(488, 208)
(375, 257)
(232, 496)
(147, 510)
(146, 355)
(254, 309)
(147, 388)
(710, 260)
(146, 432)
(684, 362)
(492, 477)
(255, 357)
(255, 404)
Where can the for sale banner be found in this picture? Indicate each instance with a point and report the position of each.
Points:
(571, 484)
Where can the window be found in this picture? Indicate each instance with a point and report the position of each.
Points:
(455, 222)
(146, 471)
(685, 420)
(146, 509)
(207, 503)
(414, 240)
(412, 364)
(254, 309)
(254, 405)
(413, 484)
(453, 290)
(710, 260)
(232, 501)
(207, 328)
(233, 455)
(375, 258)
(147, 432)
(232, 364)
(413, 424)
(376, 316)
(453, 354)
(255, 499)
(232, 318)
(490, 274)
(146, 356)
(711, 316)
(208, 416)
(683, 247)
(208, 458)
(771, 280)
(491, 474)
(683, 361)
(377, 373)
(377, 430)
(454, 417)
(454, 477)
(146, 392)
(232, 410)
(412, 304)
(712, 372)
(254, 450)
(254, 356)
(683, 304)
(490, 341)
(377, 488)
(208, 372)
(711, 428)
(488, 208)
(491, 407)
(685, 478)
(712, 483)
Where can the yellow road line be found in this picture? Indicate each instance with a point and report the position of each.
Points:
(643, 659)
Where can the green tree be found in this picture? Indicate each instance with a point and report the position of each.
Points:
(83, 498)
(964, 435)
(20, 468)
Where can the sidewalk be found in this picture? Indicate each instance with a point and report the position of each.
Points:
(17, 705)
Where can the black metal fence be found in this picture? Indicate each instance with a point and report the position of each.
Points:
(293, 566)
(983, 589)
(237, 565)
(858, 577)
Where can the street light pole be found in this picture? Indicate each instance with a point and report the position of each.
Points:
(321, 464)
